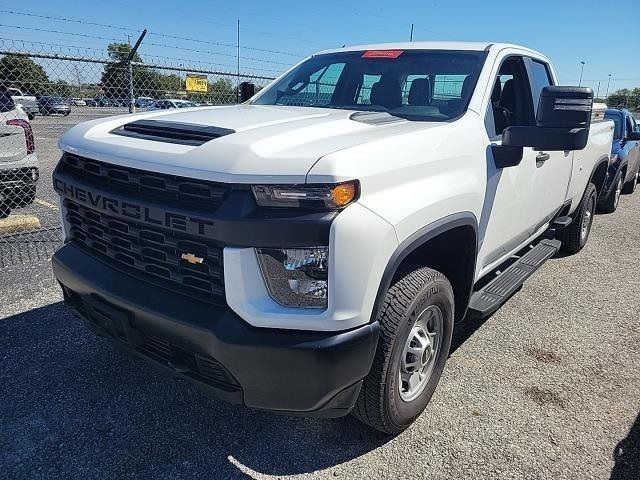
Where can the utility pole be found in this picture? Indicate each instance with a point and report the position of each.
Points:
(598, 90)
(581, 72)
(238, 64)
(127, 62)
(411, 34)
(608, 83)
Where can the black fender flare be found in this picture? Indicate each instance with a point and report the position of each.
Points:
(419, 238)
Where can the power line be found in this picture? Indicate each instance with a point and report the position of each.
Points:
(131, 29)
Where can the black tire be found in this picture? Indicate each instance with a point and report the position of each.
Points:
(575, 236)
(630, 186)
(31, 116)
(380, 404)
(610, 203)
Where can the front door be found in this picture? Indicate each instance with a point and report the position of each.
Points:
(553, 169)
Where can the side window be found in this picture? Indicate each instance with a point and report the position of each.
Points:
(630, 125)
(539, 77)
(511, 100)
(319, 90)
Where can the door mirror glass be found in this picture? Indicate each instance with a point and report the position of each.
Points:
(247, 90)
(562, 121)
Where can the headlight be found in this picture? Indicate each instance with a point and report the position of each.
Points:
(296, 277)
(331, 196)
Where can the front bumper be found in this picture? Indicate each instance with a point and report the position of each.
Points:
(300, 372)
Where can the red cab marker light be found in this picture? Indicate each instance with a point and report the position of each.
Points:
(382, 53)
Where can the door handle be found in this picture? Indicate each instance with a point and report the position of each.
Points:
(542, 157)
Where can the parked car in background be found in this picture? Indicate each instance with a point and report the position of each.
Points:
(624, 162)
(18, 162)
(28, 102)
(91, 102)
(171, 103)
(144, 102)
(48, 105)
(78, 102)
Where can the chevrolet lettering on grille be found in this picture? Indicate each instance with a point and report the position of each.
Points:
(126, 208)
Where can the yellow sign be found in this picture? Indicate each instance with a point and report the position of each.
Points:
(196, 83)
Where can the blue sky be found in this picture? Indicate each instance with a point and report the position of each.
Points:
(567, 31)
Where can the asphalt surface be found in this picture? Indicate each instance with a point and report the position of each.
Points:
(548, 387)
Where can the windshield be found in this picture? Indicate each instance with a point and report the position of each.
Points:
(427, 85)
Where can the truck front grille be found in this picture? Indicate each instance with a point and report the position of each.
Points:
(169, 190)
(150, 253)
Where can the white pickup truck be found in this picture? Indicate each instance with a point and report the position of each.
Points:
(309, 250)
(28, 103)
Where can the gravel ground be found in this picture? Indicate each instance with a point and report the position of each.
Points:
(547, 387)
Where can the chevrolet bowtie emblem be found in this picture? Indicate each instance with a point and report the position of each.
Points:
(191, 258)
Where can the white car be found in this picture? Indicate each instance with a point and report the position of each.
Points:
(309, 250)
(171, 103)
(28, 103)
(18, 162)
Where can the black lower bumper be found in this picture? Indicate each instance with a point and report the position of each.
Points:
(309, 373)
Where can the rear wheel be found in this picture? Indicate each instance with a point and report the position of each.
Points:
(610, 202)
(630, 186)
(575, 236)
(416, 322)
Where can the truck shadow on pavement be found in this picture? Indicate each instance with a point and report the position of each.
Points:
(73, 407)
(627, 455)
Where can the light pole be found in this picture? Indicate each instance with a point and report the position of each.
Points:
(608, 83)
(581, 72)
(598, 90)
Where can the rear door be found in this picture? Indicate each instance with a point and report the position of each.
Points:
(552, 169)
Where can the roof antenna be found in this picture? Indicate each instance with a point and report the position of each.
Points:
(411, 34)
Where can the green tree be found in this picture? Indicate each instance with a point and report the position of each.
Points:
(629, 98)
(22, 72)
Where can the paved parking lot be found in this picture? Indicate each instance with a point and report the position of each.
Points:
(548, 387)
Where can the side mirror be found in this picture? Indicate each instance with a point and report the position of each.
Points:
(562, 122)
(247, 90)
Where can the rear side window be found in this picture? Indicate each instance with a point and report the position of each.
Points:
(539, 77)
(6, 102)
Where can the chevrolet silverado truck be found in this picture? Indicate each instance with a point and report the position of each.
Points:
(309, 250)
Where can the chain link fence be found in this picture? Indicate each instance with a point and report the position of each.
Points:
(44, 93)
(45, 89)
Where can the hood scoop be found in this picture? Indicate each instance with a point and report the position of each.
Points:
(171, 132)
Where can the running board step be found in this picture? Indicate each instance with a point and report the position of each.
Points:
(562, 222)
(487, 300)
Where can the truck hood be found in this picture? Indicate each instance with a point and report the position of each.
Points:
(269, 144)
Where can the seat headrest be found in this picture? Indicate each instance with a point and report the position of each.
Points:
(467, 86)
(386, 93)
(508, 97)
(420, 92)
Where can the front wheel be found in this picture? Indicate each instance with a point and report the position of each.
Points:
(575, 236)
(416, 322)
